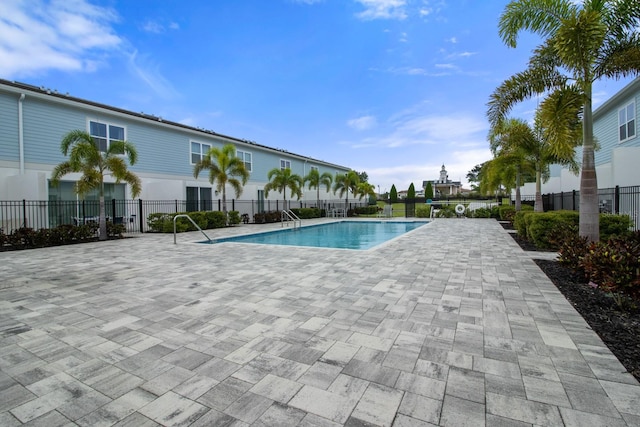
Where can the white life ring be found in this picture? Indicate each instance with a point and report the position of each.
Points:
(460, 209)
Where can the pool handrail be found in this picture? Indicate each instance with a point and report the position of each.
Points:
(192, 222)
(288, 215)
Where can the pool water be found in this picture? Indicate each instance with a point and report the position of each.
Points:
(340, 235)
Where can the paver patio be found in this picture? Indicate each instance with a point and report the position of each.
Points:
(452, 325)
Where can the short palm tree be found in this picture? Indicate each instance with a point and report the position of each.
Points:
(317, 180)
(364, 189)
(86, 158)
(224, 168)
(583, 43)
(280, 180)
(343, 183)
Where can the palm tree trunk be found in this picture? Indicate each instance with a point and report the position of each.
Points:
(224, 206)
(518, 196)
(538, 204)
(589, 215)
(102, 216)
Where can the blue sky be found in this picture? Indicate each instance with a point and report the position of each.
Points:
(395, 88)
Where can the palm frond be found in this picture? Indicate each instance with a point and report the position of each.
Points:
(540, 17)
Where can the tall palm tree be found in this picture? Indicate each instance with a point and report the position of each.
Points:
(343, 183)
(583, 43)
(280, 180)
(224, 168)
(86, 158)
(316, 180)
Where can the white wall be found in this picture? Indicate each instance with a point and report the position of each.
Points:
(626, 166)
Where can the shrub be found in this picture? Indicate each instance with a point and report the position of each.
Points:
(366, 210)
(481, 213)
(572, 248)
(234, 218)
(507, 212)
(614, 225)
(216, 219)
(423, 211)
(307, 213)
(614, 265)
(495, 211)
(542, 227)
(115, 231)
(258, 218)
(520, 224)
(163, 222)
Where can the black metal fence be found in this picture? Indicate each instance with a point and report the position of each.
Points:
(134, 213)
(616, 200)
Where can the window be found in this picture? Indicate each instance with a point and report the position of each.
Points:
(246, 159)
(285, 164)
(104, 133)
(627, 122)
(199, 199)
(198, 151)
(314, 168)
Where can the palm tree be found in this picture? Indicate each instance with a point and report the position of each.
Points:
(342, 184)
(281, 179)
(85, 157)
(224, 168)
(583, 43)
(316, 180)
(364, 189)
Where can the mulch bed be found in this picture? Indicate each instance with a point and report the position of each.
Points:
(618, 329)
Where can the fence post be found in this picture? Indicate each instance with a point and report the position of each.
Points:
(616, 200)
(113, 210)
(233, 204)
(24, 213)
(140, 220)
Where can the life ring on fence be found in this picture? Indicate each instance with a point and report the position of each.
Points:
(459, 209)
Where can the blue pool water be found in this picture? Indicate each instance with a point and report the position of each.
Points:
(341, 235)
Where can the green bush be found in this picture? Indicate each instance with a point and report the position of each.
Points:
(163, 222)
(446, 211)
(308, 213)
(28, 238)
(614, 225)
(519, 222)
(507, 212)
(543, 226)
(481, 213)
(234, 218)
(572, 248)
(366, 210)
(423, 211)
(495, 211)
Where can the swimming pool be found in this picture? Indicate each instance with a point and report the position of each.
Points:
(340, 235)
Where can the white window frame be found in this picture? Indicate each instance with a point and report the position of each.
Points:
(626, 121)
(284, 164)
(242, 155)
(202, 150)
(108, 138)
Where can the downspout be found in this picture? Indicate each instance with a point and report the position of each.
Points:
(21, 134)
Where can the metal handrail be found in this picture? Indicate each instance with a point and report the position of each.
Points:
(289, 215)
(192, 222)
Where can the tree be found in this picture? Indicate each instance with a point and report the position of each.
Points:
(85, 157)
(473, 177)
(428, 190)
(316, 180)
(364, 189)
(280, 180)
(411, 192)
(343, 183)
(583, 43)
(224, 168)
(362, 176)
(393, 194)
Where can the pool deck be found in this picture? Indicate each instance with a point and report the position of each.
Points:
(451, 324)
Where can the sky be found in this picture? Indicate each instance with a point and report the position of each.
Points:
(393, 88)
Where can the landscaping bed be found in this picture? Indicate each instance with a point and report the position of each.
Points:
(618, 328)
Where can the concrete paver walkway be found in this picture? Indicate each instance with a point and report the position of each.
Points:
(452, 325)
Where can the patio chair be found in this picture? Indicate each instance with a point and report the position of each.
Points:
(387, 211)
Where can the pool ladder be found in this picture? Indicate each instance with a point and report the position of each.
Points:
(290, 216)
(192, 222)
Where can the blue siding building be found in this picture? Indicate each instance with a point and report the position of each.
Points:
(33, 121)
(615, 128)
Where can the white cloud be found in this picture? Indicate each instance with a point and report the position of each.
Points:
(158, 28)
(452, 40)
(362, 123)
(61, 35)
(382, 9)
(150, 75)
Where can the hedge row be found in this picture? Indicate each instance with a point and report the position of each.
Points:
(29, 238)
(544, 228)
(163, 222)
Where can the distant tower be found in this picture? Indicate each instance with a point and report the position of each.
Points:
(443, 175)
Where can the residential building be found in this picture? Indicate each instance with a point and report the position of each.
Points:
(34, 120)
(615, 128)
